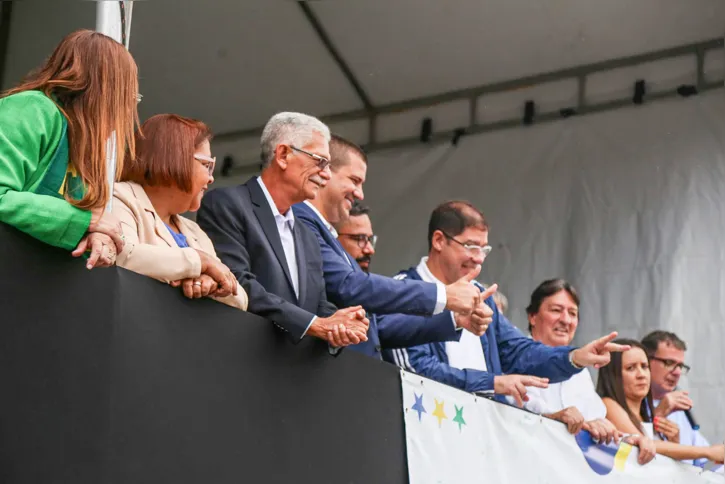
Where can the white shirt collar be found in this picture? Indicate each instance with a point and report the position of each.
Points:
(324, 220)
(288, 217)
(425, 274)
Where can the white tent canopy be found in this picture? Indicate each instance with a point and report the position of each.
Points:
(233, 64)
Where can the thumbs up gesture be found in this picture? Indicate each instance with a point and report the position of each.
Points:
(477, 322)
(462, 297)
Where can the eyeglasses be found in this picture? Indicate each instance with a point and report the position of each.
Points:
(362, 239)
(207, 162)
(670, 365)
(471, 249)
(322, 162)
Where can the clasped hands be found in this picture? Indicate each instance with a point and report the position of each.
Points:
(216, 280)
(345, 327)
(104, 240)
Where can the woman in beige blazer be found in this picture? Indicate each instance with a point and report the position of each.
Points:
(172, 169)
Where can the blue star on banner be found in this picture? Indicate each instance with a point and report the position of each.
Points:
(418, 407)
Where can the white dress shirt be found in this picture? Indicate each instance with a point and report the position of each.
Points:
(285, 226)
(467, 352)
(578, 391)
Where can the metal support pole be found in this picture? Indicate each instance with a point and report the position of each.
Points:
(113, 18)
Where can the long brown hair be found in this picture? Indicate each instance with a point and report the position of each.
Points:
(610, 385)
(94, 82)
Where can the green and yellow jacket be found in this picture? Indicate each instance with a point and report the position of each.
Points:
(35, 171)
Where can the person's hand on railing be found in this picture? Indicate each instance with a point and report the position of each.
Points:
(220, 273)
(571, 416)
(106, 223)
(647, 449)
(197, 287)
(716, 453)
(345, 327)
(515, 386)
(101, 247)
(603, 431)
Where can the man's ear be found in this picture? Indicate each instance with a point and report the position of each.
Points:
(438, 240)
(281, 155)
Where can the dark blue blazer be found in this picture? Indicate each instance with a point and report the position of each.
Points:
(351, 286)
(506, 350)
(240, 223)
(388, 331)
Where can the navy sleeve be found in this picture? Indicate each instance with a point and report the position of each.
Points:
(377, 294)
(424, 361)
(402, 330)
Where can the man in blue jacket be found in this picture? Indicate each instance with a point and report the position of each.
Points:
(402, 302)
(502, 361)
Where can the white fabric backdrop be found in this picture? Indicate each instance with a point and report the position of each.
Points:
(627, 205)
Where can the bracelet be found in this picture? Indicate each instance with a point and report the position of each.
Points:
(571, 360)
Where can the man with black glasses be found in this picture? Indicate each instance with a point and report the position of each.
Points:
(502, 362)
(667, 364)
(356, 235)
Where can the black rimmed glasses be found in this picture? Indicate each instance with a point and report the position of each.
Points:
(362, 239)
(670, 365)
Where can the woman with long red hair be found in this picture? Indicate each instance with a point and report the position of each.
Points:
(54, 128)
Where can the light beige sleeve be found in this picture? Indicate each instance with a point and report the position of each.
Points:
(239, 301)
(166, 264)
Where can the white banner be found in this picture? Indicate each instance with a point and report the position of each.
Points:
(458, 438)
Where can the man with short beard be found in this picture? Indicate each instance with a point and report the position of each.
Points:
(356, 235)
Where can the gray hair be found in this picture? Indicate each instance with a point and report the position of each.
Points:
(289, 128)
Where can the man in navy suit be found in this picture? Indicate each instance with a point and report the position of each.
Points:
(276, 259)
(402, 301)
(502, 362)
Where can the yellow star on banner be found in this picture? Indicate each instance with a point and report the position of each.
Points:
(439, 413)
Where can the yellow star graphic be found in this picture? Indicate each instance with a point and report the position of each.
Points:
(439, 413)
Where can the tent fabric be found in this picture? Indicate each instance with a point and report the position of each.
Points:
(626, 205)
(233, 64)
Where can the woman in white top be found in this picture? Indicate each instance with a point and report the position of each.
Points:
(553, 315)
(624, 385)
